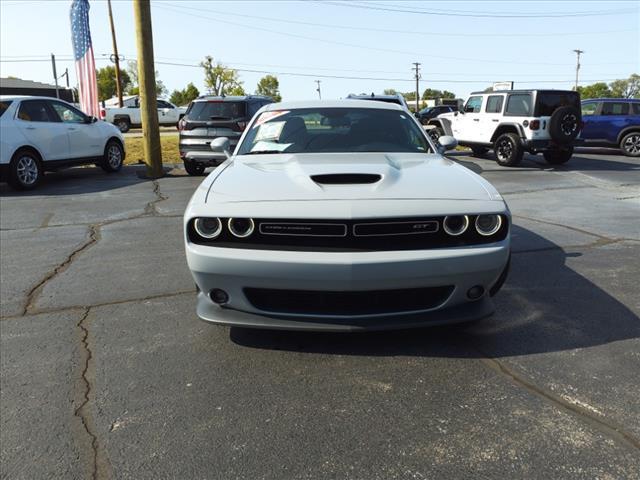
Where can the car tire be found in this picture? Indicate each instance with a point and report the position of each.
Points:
(194, 169)
(435, 133)
(558, 157)
(479, 151)
(508, 150)
(564, 124)
(123, 124)
(630, 144)
(113, 157)
(25, 170)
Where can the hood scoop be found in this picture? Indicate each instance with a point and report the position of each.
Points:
(346, 178)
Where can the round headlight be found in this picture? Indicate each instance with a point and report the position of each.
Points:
(208, 227)
(456, 224)
(488, 224)
(241, 227)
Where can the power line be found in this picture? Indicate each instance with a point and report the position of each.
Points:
(344, 44)
(385, 30)
(478, 15)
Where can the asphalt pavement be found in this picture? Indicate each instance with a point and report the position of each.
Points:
(106, 372)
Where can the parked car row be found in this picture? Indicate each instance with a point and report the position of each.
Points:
(45, 134)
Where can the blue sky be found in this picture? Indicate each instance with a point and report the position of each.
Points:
(481, 43)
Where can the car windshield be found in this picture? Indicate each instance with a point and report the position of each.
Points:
(216, 110)
(317, 130)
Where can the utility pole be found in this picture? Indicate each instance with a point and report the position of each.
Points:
(318, 89)
(116, 59)
(147, 84)
(578, 52)
(417, 68)
(55, 74)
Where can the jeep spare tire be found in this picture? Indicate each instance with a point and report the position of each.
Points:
(564, 124)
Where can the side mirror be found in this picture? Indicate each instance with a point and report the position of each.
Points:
(90, 120)
(446, 142)
(221, 145)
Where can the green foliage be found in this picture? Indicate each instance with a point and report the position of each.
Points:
(270, 87)
(629, 88)
(185, 96)
(221, 80)
(134, 88)
(596, 90)
(106, 78)
(409, 96)
(431, 94)
(390, 91)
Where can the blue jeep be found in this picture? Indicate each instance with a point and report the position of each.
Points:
(612, 122)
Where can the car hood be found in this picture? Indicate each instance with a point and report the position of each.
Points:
(345, 176)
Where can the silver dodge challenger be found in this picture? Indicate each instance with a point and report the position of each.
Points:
(344, 216)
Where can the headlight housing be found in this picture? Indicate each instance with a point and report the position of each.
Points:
(241, 227)
(456, 224)
(487, 225)
(208, 227)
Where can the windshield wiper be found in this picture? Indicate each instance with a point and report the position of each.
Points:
(260, 152)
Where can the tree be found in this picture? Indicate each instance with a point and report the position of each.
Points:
(629, 88)
(184, 97)
(270, 87)
(106, 78)
(596, 90)
(431, 94)
(409, 96)
(219, 79)
(390, 91)
(134, 89)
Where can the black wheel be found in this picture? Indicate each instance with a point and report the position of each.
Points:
(435, 133)
(113, 157)
(123, 124)
(508, 150)
(564, 124)
(193, 168)
(630, 144)
(479, 151)
(25, 170)
(558, 157)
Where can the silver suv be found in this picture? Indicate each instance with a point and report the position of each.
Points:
(209, 117)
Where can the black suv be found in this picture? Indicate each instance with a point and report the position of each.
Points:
(428, 113)
(209, 117)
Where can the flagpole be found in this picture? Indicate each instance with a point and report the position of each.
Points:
(116, 58)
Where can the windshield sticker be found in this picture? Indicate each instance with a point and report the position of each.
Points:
(270, 131)
(266, 116)
(263, 146)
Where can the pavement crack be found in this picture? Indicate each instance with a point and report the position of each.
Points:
(150, 208)
(94, 236)
(603, 425)
(82, 411)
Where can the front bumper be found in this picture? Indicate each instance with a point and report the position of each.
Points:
(233, 270)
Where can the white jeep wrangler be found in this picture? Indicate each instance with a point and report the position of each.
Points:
(514, 121)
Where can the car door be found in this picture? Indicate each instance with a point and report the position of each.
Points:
(42, 129)
(491, 118)
(167, 113)
(85, 136)
(466, 127)
(615, 117)
(591, 119)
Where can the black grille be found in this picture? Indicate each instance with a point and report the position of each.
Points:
(311, 302)
(382, 234)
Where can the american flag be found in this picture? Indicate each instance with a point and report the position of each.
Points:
(83, 54)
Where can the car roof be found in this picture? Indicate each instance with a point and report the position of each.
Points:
(231, 98)
(27, 97)
(603, 99)
(333, 104)
(530, 90)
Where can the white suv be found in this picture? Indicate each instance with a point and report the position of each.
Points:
(514, 121)
(41, 133)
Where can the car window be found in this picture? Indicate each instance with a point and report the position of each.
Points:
(217, 110)
(35, 111)
(473, 105)
(4, 105)
(589, 109)
(163, 104)
(68, 114)
(519, 104)
(494, 104)
(635, 108)
(615, 108)
(318, 130)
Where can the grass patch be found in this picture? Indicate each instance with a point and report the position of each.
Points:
(135, 153)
